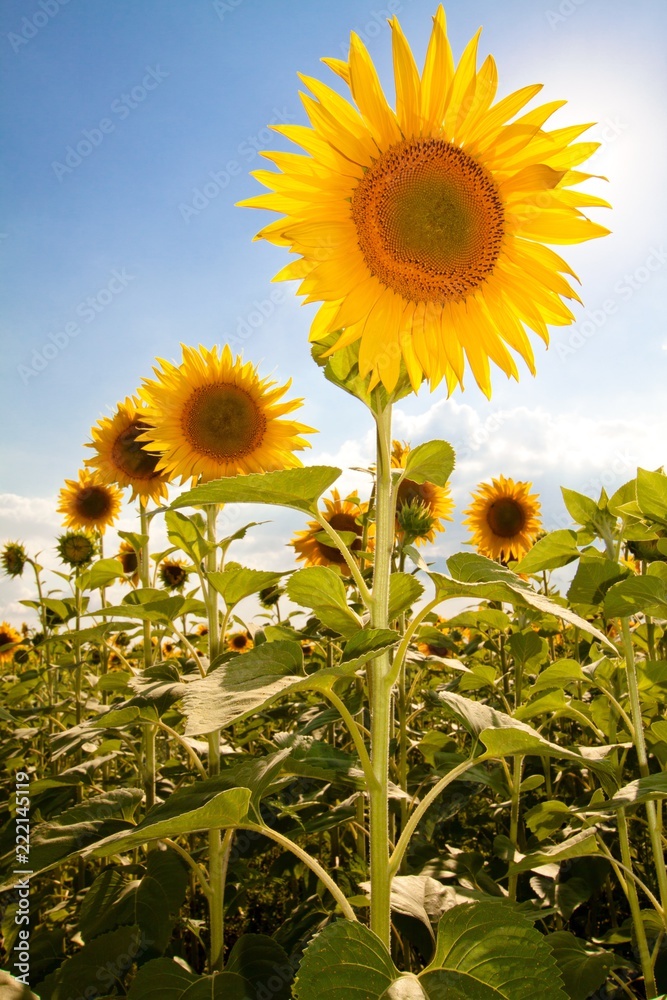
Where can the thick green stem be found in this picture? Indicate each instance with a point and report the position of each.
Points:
(642, 759)
(380, 683)
(217, 864)
(514, 819)
(635, 910)
(149, 757)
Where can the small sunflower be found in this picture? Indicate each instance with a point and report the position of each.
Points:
(344, 516)
(89, 503)
(504, 519)
(420, 507)
(170, 650)
(129, 560)
(422, 230)
(8, 639)
(121, 458)
(240, 642)
(76, 548)
(173, 573)
(213, 416)
(452, 639)
(14, 558)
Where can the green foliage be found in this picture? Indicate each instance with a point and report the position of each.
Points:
(297, 488)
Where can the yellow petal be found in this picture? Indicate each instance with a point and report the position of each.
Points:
(462, 90)
(437, 76)
(367, 92)
(408, 86)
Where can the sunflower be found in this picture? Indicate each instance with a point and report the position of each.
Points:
(76, 548)
(240, 642)
(129, 560)
(423, 230)
(173, 573)
(212, 416)
(419, 506)
(8, 639)
(120, 457)
(89, 503)
(343, 515)
(14, 558)
(504, 519)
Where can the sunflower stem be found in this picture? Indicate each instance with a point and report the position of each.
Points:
(150, 730)
(380, 684)
(217, 864)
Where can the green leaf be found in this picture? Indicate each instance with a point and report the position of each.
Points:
(164, 979)
(432, 462)
(260, 959)
(235, 584)
(404, 590)
(652, 495)
(476, 577)
(162, 611)
(559, 675)
(100, 574)
(366, 644)
(491, 945)
(637, 593)
(102, 964)
(653, 786)
(584, 969)
(581, 508)
(595, 575)
(227, 808)
(526, 645)
(186, 535)
(558, 548)
(322, 590)
(345, 960)
(547, 817)
(249, 683)
(581, 845)
(297, 488)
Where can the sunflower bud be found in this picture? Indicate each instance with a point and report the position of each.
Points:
(14, 558)
(76, 548)
(414, 520)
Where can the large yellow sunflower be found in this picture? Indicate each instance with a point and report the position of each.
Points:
(343, 515)
(89, 503)
(120, 457)
(422, 230)
(435, 501)
(504, 519)
(213, 416)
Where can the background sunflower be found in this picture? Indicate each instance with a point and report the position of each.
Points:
(504, 519)
(412, 498)
(89, 503)
(344, 516)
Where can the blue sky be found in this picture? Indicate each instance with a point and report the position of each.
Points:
(115, 254)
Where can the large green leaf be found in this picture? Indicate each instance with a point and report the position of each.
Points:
(558, 548)
(595, 575)
(187, 534)
(100, 574)
(249, 683)
(260, 960)
(298, 488)
(164, 979)
(366, 644)
(321, 589)
(652, 495)
(492, 945)
(580, 845)
(101, 965)
(478, 578)
(236, 583)
(584, 969)
(345, 961)
(226, 809)
(653, 786)
(637, 593)
(581, 508)
(404, 590)
(432, 462)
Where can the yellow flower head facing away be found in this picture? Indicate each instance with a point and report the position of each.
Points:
(422, 229)
(89, 503)
(122, 458)
(504, 519)
(213, 416)
(344, 516)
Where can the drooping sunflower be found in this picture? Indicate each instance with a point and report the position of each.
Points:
(8, 639)
(213, 416)
(504, 519)
(422, 230)
(344, 516)
(420, 507)
(76, 548)
(121, 458)
(89, 503)
(14, 558)
(240, 642)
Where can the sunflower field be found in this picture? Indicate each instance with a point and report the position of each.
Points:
(357, 779)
